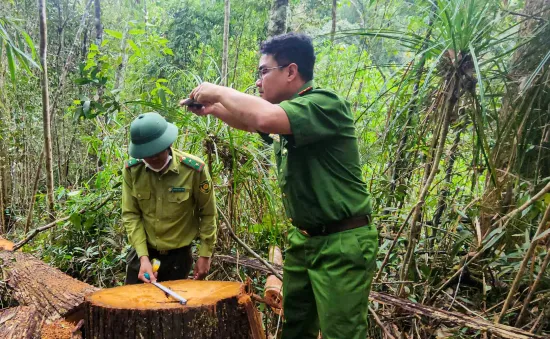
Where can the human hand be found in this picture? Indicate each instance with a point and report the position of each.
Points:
(146, 267)
(202, 266)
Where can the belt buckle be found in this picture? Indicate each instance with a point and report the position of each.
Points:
(163, 252)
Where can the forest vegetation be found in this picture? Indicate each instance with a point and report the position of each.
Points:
(452, 111)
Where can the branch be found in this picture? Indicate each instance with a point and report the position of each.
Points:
(54, 223)
(248, 249)
(520, 209)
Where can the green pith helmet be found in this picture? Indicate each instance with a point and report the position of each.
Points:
(150, 134)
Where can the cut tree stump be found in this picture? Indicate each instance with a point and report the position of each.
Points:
(20, 322)
(215, 309)
(34, 283)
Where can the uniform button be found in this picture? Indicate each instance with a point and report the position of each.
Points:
(159, 199)
(290, 219)
(158, 220)
(139, 195)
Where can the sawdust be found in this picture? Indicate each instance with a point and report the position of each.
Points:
(60, 329)
(147, 296)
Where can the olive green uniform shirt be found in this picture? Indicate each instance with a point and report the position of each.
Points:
(168, 210)
(319, 171)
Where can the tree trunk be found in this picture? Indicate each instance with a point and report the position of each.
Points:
(277, 20)
(98, 26)
(215, 309)
(225, 55)
(333, 29)
(21, 322)
(34, 283)
(46, 104)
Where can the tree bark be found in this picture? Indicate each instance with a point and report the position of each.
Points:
(98, 26)
(34, 283)
(46, 104)
(277, 22)
(225, 55)
(215, 309)
(21, 322)
(333, 29)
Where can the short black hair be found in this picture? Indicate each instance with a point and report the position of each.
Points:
(292, 48)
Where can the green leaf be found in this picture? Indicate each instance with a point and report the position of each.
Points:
(134, 47)
(114, 34)
(86, 108)
(136, 31)
(93, 47)
(168, 51)
(162, 96)
(11, 62)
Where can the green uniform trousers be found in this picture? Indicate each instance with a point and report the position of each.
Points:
(326, 283)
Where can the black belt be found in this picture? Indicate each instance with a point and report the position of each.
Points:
(339, 226)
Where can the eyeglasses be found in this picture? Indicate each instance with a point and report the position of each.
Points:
(263, 71)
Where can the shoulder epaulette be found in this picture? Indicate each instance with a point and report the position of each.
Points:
(305, 90)
(196, 164)
(133, 162)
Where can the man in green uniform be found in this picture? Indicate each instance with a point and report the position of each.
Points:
(167, 200)
(330, 261)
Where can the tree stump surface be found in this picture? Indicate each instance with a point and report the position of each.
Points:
(34, 283)
(215, 309)
(21, 322)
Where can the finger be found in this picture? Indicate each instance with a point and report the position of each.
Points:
(156, 274)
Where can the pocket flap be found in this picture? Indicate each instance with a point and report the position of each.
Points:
(178, 197)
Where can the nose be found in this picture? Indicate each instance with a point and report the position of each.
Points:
(259, 83)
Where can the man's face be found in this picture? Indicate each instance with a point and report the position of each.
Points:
(158, 160)
(273, 80)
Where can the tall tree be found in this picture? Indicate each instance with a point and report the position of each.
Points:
(98, 26)
(277, 21)
(46, 103)
(333, 29)
(225, 55)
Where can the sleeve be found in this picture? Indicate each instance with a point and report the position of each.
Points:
(206, 206)
(316, 116)
(131, 217)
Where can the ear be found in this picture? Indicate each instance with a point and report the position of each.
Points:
(292, 72)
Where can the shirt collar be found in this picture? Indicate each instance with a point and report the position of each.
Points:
(174, 163)
(304, 86)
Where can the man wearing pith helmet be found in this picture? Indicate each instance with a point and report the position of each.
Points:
(167, 202)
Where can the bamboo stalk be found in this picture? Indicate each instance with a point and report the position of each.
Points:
(519, 275)
(533, 288)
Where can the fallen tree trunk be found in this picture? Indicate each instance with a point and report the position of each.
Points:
(215, 309)
(502, 331)
(34, 283)
(21, 322)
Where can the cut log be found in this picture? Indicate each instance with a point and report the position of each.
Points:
(6, 245)
(215, 309)
(21, 322)
(34, 283)
(273, 289)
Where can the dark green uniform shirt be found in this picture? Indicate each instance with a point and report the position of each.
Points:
(318, 165)
(168, 210)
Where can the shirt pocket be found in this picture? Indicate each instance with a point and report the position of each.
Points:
(178, 204)
(144, 201)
